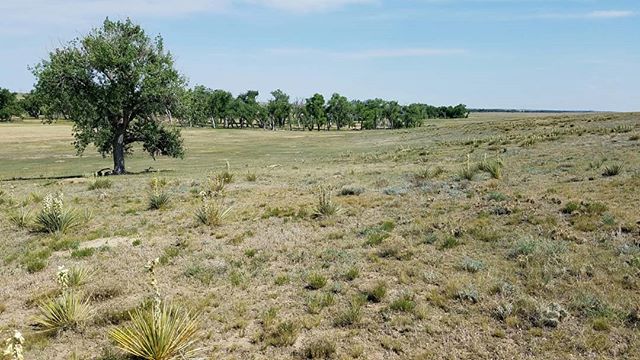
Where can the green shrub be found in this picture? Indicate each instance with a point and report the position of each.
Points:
(82, 253)
(472, 265)
(316, 281)
(350, 316)
(404, 303)
(100, 184)
(320, 349)
(351, 190)
(283, 334)
(493, 167)
(612, 170)
(570, 207)
(376, 293)
(20, 218)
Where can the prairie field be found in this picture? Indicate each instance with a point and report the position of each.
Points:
(495, 237)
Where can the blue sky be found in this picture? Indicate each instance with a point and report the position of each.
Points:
(545, 54)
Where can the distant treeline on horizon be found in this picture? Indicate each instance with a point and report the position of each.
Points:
(201, 106)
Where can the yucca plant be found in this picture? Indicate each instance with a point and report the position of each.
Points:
(468, 171)
(227, 176)
(163, 334)
(160, 332)
(14, 347)
(326, 207)
(612, 170)
(493, 167)
(66, 311)
(78, 276)
(158, 197)
(54, 218)
(211, 212)
(21, 218)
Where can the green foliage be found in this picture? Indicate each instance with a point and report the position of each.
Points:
(351, 190)
(54, 217)
(320, 349)
(82, 253)
(66, 311)
(404, 303)
(211, 212)
(468, 171)
(100, 184)
(570, 207)
(349, 316)
(326, 207)
(612, 170)
(338, 111)
(113, 83)
(492, 166)
(21, 218)
(472, 265)
(8, 105)
(279, 108)
(316, 281)
(284, 333)
(376, 293)
(314, 107)
(159, 198)
(163, 334)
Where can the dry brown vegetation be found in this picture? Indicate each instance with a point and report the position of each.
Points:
(542, 261)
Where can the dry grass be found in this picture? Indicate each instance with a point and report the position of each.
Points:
(540, 263)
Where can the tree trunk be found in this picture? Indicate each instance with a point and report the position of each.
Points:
(118, 152)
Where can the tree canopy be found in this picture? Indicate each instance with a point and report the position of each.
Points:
(8, 105)
(113, 83)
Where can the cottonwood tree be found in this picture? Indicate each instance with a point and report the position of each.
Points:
(338, 111)
(279, 108)
(31, 105)
(315, 111)
(8, 104)
(114, 83)
(221, 103)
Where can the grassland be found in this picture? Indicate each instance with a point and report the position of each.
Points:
(536, 256)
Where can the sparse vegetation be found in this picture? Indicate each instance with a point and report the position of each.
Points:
(100, 184)
(518, 261)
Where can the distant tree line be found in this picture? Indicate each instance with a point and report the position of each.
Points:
(202, 106)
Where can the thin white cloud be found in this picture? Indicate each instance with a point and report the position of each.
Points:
(306, 6)
(369, 53)
(599, 14)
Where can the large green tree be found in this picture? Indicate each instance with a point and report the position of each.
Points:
(114, 84)
(8, 104)
(315, 110)
(221, 104)
(338, 111)
(279, 108)
(31, 105)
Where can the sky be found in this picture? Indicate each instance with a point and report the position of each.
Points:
(523, 54)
